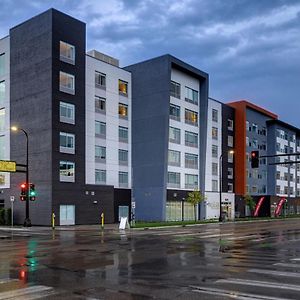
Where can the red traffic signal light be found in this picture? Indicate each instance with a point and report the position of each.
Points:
(255, 159)
(23, 194)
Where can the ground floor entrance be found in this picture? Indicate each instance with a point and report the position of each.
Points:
(67, 215)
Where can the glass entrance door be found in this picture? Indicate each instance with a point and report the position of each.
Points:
(67, 215)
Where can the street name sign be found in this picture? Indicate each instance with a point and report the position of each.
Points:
(8, 166)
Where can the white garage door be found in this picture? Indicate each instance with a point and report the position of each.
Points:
(67, 215)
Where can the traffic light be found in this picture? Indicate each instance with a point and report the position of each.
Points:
(23, 194)
(255, 159)
(32, 192)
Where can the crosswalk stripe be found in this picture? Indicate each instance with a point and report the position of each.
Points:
(37, 290)
(267, 284)
(275, 273)
(7, 280)
(287, 265)
(232, 294)
(295, 259)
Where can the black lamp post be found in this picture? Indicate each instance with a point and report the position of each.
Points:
(27, 221)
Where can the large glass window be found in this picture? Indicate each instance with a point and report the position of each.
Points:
(191, 117)
(214, 169)
(100, 104)
(174, 112)
(174, 179)
(100, 129)
(66, 83)
(230, 141)
(2, 93)
(100, 176)
(191, 95)
(214, 150)
(191, 161)
(2, 119)
(67, 171)
(230, 124)
(174, 135)
(67, 142)
(123, 111)
(2, 64)
(123, 87)
(191, 139)
(2, 147)
(100, 153)
(175, 89)
(67, 112)
(67, 52)
(191, 181)
(100, 80)
(214, 133)
(174, 158)
(215, 115)
(123, 179)
(123, 157)
(123, 134)
(214, 185)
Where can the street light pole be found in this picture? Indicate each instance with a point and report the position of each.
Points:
(27, 221)
(220, 186)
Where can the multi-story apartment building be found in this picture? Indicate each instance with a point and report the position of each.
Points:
(76, 109)
(219, 158)
(169, 129)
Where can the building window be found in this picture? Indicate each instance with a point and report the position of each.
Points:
(67, 112)
(278, 190)
(67, 52)
(191, 139)
(3, 147)
(100, 154)
(2, 93)
(2, 64)
(66, 142)
(67, 171)
(100, 176)
(100, 104)
(123, 157)
(254, 189)
(173, 180)
(174, 135)
(100, 129)
(123, 87)
(123, 134)
(230, 124)
(2, 119)
(174, 158)
(175, 89)
(100, 80)
(254, 128)
(214, 133)
(230, 187)
(215, 115)
(191, 161)
(123, 111)
(214, 168)
(230, 173)
(214, 185)
(248, 127)
(230, 157)
(174, 112)
(66, 83)
(191, 95)
(214, 150)
(191, 181)
(230, 141)
(255, 143)
(123, 179)
(191, 117)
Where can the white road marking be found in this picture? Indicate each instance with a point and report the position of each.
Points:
(232, 294)
(7, 280)
(34, 292)
(273, 285)
(287, 265)
(275, 273)
(295, 259)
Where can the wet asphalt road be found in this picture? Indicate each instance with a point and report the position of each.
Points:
(229, 261)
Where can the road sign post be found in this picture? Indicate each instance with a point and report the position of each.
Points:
(12, 200)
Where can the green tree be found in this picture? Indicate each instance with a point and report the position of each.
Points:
(195, 198)
(250, 203)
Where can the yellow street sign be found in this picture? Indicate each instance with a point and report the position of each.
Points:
(7, 166)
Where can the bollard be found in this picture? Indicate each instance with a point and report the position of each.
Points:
(102, 220)
(53, 220)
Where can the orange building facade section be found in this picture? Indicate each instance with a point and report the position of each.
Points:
(240, 141)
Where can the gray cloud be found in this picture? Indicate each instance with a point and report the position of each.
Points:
(249, 48)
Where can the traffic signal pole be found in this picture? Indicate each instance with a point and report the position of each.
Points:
(27, 221)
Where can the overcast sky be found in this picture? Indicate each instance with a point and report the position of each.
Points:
(250, 48)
